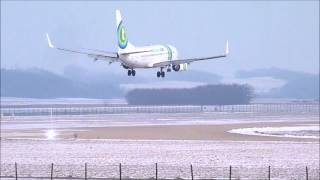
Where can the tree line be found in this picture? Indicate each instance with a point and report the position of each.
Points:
(220, 94)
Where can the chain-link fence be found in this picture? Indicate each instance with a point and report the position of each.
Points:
(54, 111)
(154, 171)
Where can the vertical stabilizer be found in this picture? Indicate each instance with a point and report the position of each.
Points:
(123, 43)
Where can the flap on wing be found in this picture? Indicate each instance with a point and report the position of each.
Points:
(181, 61)
(101, 52)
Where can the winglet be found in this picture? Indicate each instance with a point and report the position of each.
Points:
(227, 48)
(49, 41)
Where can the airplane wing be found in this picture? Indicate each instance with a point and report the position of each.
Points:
(96, 54)
(181, 61)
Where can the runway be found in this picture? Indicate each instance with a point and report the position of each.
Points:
(219, 132)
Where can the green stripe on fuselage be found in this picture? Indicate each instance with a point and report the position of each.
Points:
(169, 52)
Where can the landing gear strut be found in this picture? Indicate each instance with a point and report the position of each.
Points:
(131, 72)
(161, 73)
(169, 68)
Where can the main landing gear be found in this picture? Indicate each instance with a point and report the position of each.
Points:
(161, 73)
(131, 72)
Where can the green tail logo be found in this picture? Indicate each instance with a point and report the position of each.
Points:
(122, 36)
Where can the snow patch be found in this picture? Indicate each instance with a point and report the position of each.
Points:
(292, 132)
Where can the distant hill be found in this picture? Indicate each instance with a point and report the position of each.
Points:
(85, 75)
(298, 85)
(77, 82)
(36, 83)
(194, 76)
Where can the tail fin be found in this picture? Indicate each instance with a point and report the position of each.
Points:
(123, 43)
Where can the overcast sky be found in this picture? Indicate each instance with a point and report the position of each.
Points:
(261, 34)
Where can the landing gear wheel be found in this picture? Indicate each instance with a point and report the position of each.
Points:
(168, 70)
(129, 72)
(133, 72)
(162, 74)
(158, 74)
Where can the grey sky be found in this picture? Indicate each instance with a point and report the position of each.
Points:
(261, 34)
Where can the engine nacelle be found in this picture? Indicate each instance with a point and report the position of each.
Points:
(180, 67)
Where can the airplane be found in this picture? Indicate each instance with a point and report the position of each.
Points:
(131, 57)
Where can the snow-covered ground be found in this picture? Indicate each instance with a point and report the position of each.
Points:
(310, 131)
(249, 159)
(209, 158)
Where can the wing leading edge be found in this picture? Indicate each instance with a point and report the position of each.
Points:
(96, 54)
(181, 61)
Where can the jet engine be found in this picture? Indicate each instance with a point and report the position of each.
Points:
(180, 67)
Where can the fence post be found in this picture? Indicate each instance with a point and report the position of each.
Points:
(307, 176)
(120, 171)
(191, 172)
(51, 171)
(156, 171)
(230, 172)
(51, 112)
(85, 171)
(16, 169)
(269, 172)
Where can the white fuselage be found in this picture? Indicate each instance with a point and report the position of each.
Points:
(148, 56)
(131, 57)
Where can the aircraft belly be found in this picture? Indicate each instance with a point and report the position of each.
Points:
(161, 53)
(145, 61)
(136, 63)
(150, 60)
